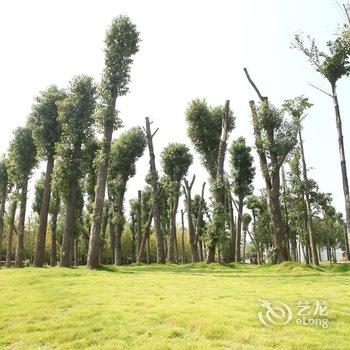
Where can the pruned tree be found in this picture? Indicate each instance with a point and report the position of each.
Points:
(242, 174)
(176, 160)
(296, 108)
(208, 129)
(75, 116)
(21, 161)
(4, 189)
(46, 133)
(125, 151)
(333, 66)
(121, 43)
(275, 138)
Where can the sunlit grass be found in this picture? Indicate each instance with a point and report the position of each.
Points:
(169, 307)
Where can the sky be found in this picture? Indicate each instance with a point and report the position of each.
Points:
(189, 49)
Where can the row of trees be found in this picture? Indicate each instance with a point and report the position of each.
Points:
(291, 218)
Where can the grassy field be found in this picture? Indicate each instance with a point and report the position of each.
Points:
(169, 307)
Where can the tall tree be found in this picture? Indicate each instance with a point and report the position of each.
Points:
(208, 128)
(11, 219)
(333, 66)
(176, 159)
(121, 42)
(55, 205)
(46, 133)
(125, 151)
(75, 116)
(242, 173)
(4, 189)
(297, 109)
(21, 161)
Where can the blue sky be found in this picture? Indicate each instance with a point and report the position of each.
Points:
(189, 49)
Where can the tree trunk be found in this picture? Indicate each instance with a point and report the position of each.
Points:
(103, 234)
(119, 226)
(244, 241)
(239, 229)
(310, 225)
(22, 217)
(193, 245)
(13, 208)
(342, 158)
(139, 222)
(133, 247)
(172, 236)
(44, 212)
(2, 212)
(182, 237)
(53, 253)
(198, 234)
(112, 240)
(232, 231)
(154, 183)
(145, 234)
(94, 242)
(148, 249)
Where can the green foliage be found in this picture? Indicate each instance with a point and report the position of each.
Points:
(90, 156)
(204, 130)
(296, 108)
(121, 42)
(44, 120)
(333, 65)
(38, 194)
(75, 117)
(246, 220)
(21, 155)
(242, 170)
(4, 178)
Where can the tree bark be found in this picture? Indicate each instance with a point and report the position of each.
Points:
(310, 225)
(172, 237)
(154, 183)
(119, 228)
(182, 237)
(133, 247)
(145, 234)
(69, 225)
(94, 242)
(198, 225)
(22, 217)
(53, 252)
(2, 213)
(239, 230)
(13, 208)
(139, 222)
(193, 246)
(342, 158)
(44, 212)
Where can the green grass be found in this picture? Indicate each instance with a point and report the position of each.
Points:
(169, 307)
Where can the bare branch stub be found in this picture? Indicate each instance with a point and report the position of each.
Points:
(317, 88)
(261, 97)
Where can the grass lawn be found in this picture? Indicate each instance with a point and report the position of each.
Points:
(169, 307)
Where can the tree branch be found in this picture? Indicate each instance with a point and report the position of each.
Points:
(262, 98)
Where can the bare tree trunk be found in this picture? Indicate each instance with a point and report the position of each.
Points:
(53, 252)
(22, 216)
(2, 213)
(239, 230)
(172, 236)
(310, 225)
(94, 242)
(244, 242)
(44, 212)
(346, 241)
(198, 234)
(154, 183)
(342, 158)
(182, 237)
(193, 246)
(232, 231)
(133, 247)
(139, 222)
(13, 207)
(148, 251)
(112, 240)
(145, 234)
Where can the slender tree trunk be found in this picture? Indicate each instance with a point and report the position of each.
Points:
(198, 233)
(2, 212)
(103, 233)
(139, 222)
(44, 212)
(232, 231)
(182, 237)
(346, 241)
(172, 236)
(133, 247)
(13, 207)
(334, 254)
(239, 229)
(112, 240)
(22, 217)
(69, 225)
(244, 242)
(145, 234)
(53, 253)
(285, 192)
(154, 183)
(94, 242)
(310, 225)
(148, 249)
(193, 246)
(342, 158)
(119, 226)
